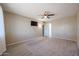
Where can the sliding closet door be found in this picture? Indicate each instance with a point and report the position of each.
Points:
(2, 33)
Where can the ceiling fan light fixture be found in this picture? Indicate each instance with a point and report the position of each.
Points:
(45, 17)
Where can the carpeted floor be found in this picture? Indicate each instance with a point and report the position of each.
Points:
(43, 46)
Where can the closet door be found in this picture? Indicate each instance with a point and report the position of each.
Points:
(2, 33)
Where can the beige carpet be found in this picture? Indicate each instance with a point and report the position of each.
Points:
(43, 46)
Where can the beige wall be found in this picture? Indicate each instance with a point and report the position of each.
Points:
(19, 27)
(78, 29)
(64, 28)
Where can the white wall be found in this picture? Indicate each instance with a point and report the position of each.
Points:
(64, 28)
(2, 33)
(18, 28)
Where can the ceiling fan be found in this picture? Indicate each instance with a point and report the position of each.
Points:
(46, 14)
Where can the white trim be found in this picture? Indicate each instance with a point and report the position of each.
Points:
(64, 38)
(16, 43)
(30, 39)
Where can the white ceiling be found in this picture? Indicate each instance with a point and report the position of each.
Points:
(33, 10)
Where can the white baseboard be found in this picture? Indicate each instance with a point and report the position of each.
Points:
(65, 38)
(16, 43)
(26, 40)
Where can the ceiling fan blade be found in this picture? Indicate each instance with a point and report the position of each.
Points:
(51, 14)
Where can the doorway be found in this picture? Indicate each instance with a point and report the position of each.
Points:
(48, 30)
